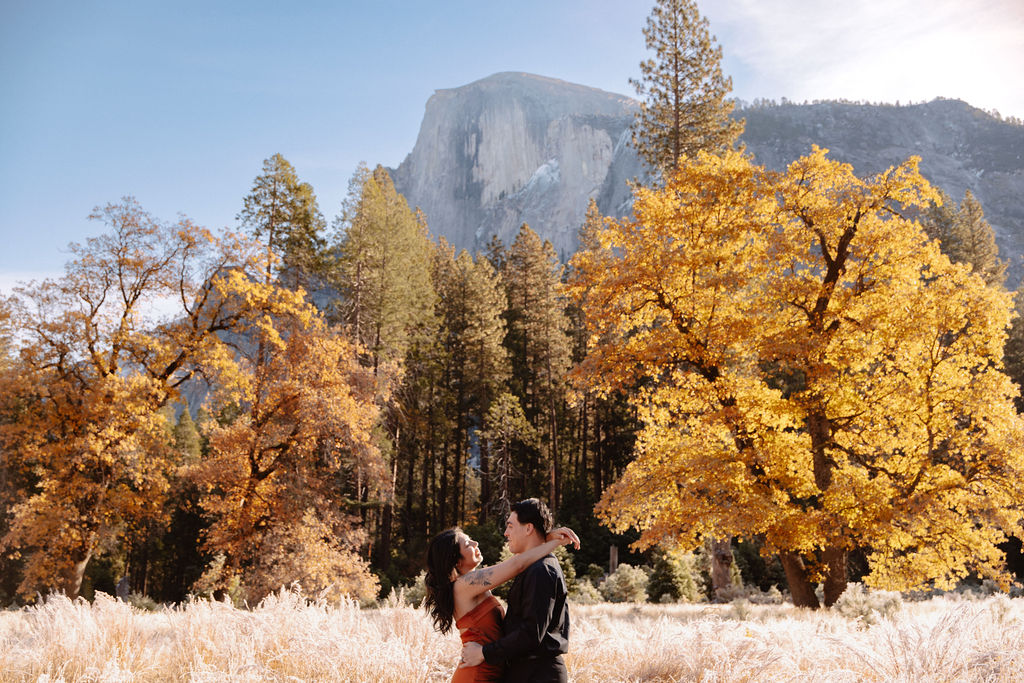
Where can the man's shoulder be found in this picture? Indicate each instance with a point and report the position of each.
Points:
(545, 565)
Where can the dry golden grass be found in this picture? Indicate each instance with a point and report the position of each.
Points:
(287, 638)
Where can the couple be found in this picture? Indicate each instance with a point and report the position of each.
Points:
(527, 645)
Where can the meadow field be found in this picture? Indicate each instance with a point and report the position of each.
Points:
(290, 638)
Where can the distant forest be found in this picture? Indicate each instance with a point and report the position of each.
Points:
(768, 103)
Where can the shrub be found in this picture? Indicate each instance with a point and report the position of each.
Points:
(216, 583)
(667, 576)
(674, 577)
(585, 593)
(142, 602)
(308, 553)
(568, 570)
(1000, 609)
(626, 584)
(772, 596)
(414, 593)
(868, 607)
(502, 590)
(741, 609)
(595, 574)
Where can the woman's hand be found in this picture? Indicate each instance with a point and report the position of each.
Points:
(565, 536)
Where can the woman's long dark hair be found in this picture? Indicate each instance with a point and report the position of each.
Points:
(443, 555)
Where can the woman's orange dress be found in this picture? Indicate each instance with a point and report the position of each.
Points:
(482, 624)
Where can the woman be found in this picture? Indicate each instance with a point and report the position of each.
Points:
(457, 590)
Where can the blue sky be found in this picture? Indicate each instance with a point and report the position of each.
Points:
(179, 103)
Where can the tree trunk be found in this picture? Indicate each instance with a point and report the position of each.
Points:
(443, 493)
(387, 520)
(430, 511)
(461, 453)
(428, 485)
(835, 576)
(554, 485)
(409, 492)
(74, 573)
(721, 568)
(800, 587)
(485, 482)
(581, 468)
(504, 465)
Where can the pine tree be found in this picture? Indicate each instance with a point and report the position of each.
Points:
(383, 272)
(505, 427)
(978, 243)
(682, 90)
(487, 357)
(282, 213)
(939, 223)
(426, 419)
(965, 236)
(539, 346)
(186, 436)
(383, 267)
(471, 304)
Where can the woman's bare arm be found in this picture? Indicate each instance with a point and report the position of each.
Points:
(477, 581)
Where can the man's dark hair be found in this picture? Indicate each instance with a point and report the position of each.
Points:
(533, 511)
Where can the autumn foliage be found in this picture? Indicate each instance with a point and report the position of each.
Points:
(97, 354)
(810, 371)
(273, 476)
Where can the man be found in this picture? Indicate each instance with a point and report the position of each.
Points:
(535, 633)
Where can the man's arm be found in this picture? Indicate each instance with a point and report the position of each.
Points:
(538, 601)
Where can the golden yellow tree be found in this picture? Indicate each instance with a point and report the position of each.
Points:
(274, 479)
(814, 373)
(138, 312)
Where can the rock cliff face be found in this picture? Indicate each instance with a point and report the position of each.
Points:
(515, 148)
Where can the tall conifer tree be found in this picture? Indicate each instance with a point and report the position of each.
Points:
(387, 302)
(471, 305)
(539, 346)
(965, 236)
(682, 90)
(978, 242)
(383, 270)
(282, 213)
(683, 108)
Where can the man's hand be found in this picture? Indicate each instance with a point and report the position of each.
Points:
(472, 655)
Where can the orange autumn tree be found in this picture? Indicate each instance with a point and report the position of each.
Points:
(814, 373)
(98, 352)
(274, 482)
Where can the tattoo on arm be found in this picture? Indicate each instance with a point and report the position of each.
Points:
(479, 577)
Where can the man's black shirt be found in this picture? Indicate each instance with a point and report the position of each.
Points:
(536, 627)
